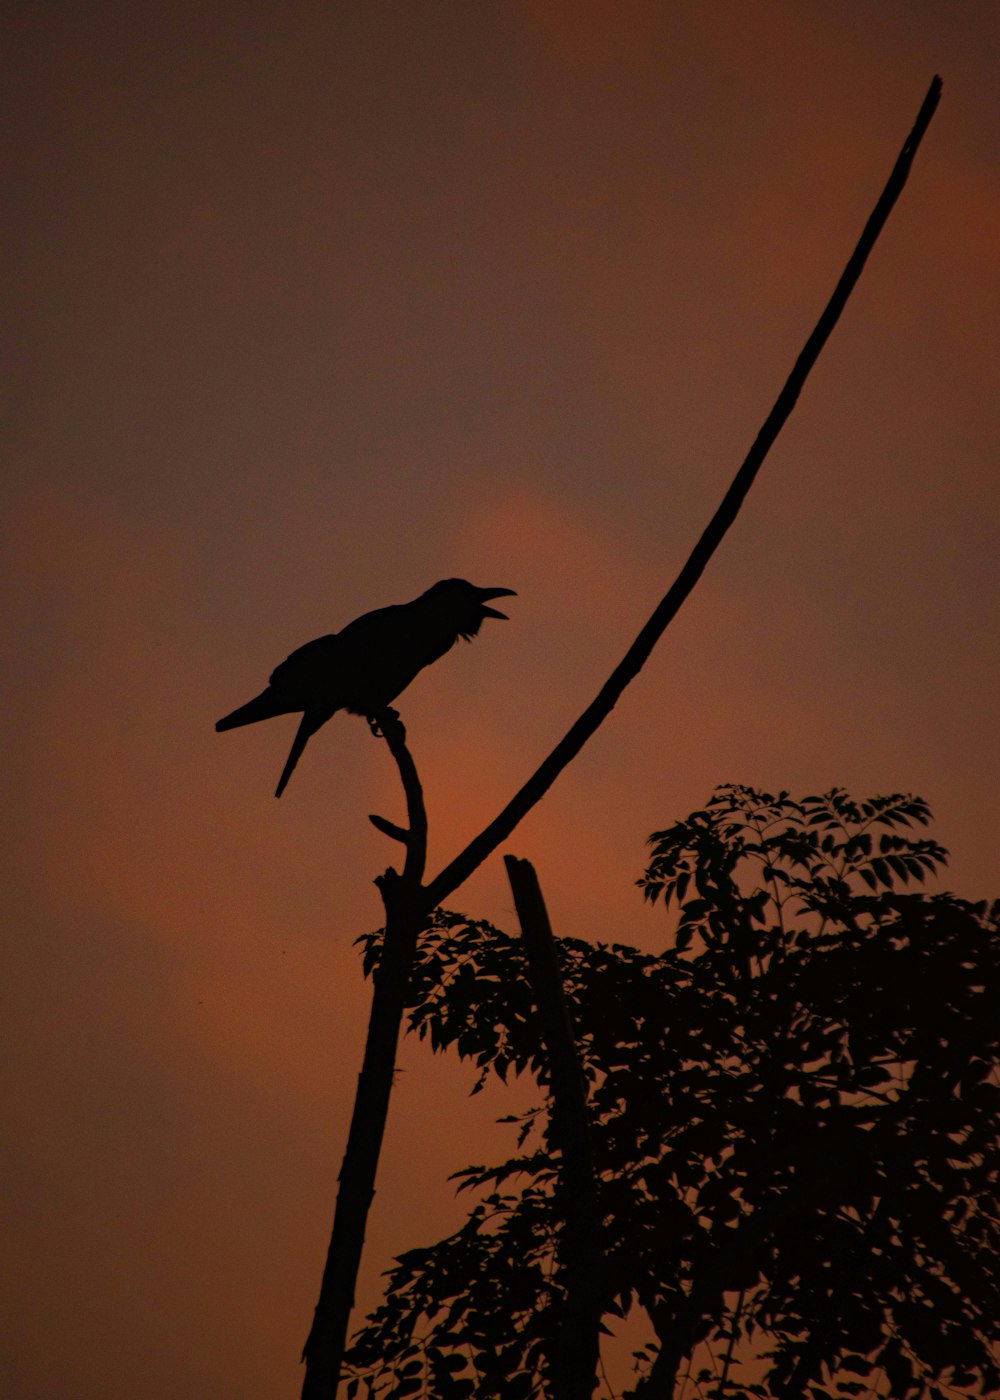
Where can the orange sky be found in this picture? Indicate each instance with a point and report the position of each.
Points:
(315, 304)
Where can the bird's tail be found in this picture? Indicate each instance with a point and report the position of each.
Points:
(262, 706)
(303, 734)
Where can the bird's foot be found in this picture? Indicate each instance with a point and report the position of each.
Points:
(378, 721)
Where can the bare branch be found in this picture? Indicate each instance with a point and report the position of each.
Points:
(576, 1348)
(394, 734)
(635, 658)
(324, 1348)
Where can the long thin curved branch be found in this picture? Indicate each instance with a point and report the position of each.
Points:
(635, 658)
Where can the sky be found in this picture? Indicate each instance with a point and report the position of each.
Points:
(309, 306)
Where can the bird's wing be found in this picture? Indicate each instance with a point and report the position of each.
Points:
(307, 666)
(380, 653)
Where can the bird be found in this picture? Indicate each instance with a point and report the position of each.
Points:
(364, 667)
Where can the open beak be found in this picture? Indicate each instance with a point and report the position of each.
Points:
(496, 593)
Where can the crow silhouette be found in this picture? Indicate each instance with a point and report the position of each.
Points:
(364, 667)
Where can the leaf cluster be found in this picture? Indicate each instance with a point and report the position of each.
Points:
(794, 1111)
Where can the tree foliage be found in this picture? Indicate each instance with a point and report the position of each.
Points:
(794, 1114)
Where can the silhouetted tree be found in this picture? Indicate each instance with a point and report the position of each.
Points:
(794, 1123)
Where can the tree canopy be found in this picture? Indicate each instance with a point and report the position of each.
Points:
(794, 1120)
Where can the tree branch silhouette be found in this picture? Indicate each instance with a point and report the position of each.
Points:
(459, 870)
(575, 1348)
(324, 1348)
(409, 903)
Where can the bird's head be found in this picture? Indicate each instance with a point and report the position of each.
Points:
(464, 604)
